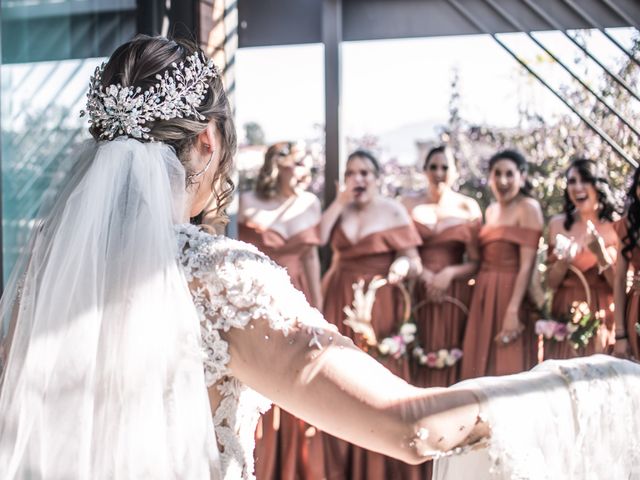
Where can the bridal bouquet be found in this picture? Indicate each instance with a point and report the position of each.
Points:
(443, 358)
(358, 318)
(400, 344)
(577, 327)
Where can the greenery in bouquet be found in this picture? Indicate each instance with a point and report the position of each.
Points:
(577, 327)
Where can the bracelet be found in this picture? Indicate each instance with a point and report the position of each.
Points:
(622, 337)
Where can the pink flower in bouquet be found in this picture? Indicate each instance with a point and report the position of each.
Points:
(432, 358)
(401, 348)
(560, 332)
(546, 328)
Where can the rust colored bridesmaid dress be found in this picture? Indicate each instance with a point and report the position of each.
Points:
(499, 264)
(442, 325)
(286, 447)
(571, 290)
(370, 256)
(632, 313)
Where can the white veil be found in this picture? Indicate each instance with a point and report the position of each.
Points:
(103, 375)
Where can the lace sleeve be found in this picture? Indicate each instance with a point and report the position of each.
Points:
(232, 283)
(262, 338)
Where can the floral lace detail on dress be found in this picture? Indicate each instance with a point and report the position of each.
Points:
(232, 283)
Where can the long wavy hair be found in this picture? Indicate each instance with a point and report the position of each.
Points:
(592, 173)
(136, 63)
(633, 217)
(267, 181)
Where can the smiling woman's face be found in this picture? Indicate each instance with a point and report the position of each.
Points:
(581, 193)
(505, 180)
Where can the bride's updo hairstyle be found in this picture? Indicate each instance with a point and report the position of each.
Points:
(136, 64)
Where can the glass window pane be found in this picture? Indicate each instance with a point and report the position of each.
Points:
(49, 50)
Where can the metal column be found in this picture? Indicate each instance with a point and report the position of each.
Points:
(332, 37)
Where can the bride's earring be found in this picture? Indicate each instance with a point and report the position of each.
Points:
(193, 176)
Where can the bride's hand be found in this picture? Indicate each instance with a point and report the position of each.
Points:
(512, 328)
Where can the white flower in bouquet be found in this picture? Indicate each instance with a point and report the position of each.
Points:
(565, 247)
(450, 360)
(388, 346)
(407, 332)
(384, 347)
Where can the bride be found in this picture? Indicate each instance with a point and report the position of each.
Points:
(119, 302)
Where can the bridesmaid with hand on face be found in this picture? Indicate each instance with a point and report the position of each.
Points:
(499, 339)
(282, 220)
(370, 236)
(448, 223)
(583, 238)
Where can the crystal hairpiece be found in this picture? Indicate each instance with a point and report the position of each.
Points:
(118, 110)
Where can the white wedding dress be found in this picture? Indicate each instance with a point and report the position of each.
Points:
(234, 285)
(116, 306)
(575, 419)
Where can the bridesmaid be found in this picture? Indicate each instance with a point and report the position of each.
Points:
(282, 220)
(587, 223)
(368, 232)
(499, 339)
(627, 312)
(448, 223)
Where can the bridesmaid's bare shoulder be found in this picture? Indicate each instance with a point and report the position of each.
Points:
(530, 213)
(392, 211)
(469, 204)
(310, 205)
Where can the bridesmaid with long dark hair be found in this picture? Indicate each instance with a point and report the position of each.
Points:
(627, 313)
(370, 236)
(499, 338)
(448, 223)
(282, 220)
(586, 231)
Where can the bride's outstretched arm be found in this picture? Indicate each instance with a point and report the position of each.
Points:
(344, 391)
(260, 330)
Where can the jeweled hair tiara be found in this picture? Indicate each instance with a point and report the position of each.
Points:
(123, 111)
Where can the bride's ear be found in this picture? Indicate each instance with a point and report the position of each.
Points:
(206, 140)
